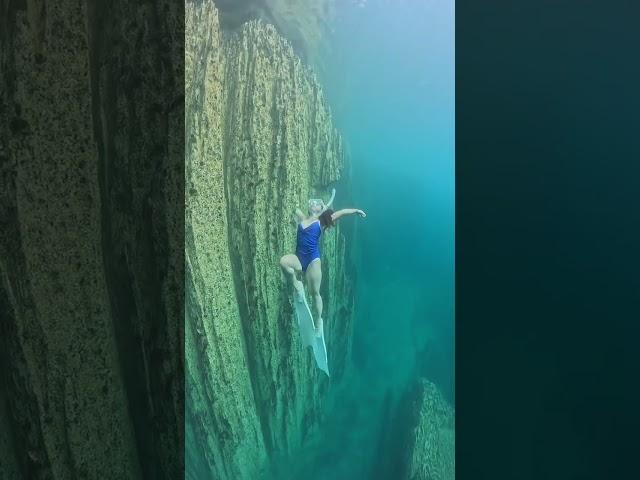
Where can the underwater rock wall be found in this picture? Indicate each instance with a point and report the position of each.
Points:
(260, 142)
(304, 23)
(432, 439)
(91, 240)
(9, 468)
(224, 437)
(417, 436)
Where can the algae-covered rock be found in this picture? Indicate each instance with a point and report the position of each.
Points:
(8, 461)
(432, 439)
(260, 142)
(91, 240)
(93, 225)
(417, 436)
(304, 23)
(224, 436)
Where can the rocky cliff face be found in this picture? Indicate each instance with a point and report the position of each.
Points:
(259, 143)
(304, 23)
(432, 437)
(417, 438)
(91, 240)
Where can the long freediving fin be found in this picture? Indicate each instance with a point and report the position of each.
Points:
(308, 331)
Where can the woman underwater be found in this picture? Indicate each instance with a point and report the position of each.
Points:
(307, 256)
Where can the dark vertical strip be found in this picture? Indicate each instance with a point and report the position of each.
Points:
(547, 223)
(128, 289)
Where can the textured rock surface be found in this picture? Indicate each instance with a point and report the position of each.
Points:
(91, 240)
(223, 430)
(417, 436)
(305, 23)
(260, 142)
(8, 460)
(432, 439)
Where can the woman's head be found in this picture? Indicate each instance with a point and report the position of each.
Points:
(316, 205)
(326, 221)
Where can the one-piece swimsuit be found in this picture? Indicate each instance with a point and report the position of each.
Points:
(308, 244)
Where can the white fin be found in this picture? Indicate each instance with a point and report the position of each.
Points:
(308, 332)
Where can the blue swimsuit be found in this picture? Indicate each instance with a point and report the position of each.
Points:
(308, 244)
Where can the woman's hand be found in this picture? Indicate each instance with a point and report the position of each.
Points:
(347, 211)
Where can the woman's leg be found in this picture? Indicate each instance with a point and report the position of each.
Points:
(291, 265)
(314, 279)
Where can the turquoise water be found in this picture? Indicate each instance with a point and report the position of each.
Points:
(390, 83)
(391, 86)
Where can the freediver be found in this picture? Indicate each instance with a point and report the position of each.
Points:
(307, 257)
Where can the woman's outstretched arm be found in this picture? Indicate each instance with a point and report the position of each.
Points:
(333, 194)
(347, 211)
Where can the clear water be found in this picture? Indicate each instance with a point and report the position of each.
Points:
(390, 83)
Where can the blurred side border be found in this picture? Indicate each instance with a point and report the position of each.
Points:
(547, 222)
(91, 240)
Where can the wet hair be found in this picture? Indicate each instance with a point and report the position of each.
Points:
(325, 219)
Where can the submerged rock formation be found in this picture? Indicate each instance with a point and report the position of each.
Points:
(259, 143)
(432, 439)
(304, 23)
(417, 438)
(91, 240)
